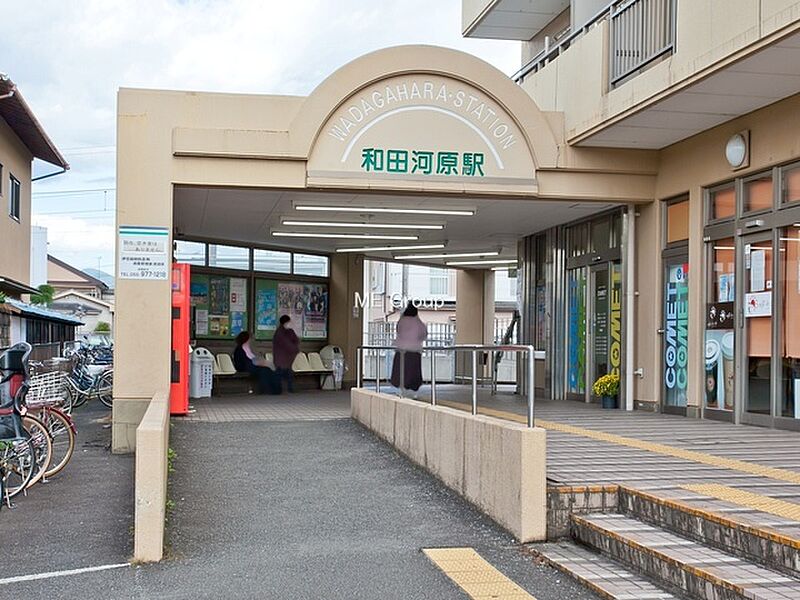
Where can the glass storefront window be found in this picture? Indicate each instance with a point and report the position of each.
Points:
(789, 290)
(578, 237)
(311, 264)
(791, 184)
(757, 193)
(228, 257)
(758, 257)
(722, 203)
(193, 253)
(677, 221)
(272, 261)
(720, 337)
(601, 234)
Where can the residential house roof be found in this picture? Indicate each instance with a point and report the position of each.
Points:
(24, 123)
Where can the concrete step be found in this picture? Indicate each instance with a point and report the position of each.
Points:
(714, 523)
(679, 564)
(605, 577)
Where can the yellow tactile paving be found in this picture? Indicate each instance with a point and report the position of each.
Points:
(773, 506)
(479, 579)
(664, 449)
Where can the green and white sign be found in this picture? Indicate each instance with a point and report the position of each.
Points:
(143, 252)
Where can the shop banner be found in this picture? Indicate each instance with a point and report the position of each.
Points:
(676, 335)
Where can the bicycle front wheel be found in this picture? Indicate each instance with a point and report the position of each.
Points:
(62, 434)
(43, 443)
(105, 388)
(18, 461)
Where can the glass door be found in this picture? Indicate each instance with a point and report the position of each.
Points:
(576, 334)
(719, 389)
(675, 345)
(756, 356)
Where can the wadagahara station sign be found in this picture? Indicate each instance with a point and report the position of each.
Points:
(416, 128)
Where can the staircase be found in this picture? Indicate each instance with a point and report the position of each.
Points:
(644, 547)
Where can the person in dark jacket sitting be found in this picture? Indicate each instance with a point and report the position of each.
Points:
(246, 361)
(285, 348)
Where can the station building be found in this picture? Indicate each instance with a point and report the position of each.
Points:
(642, 170)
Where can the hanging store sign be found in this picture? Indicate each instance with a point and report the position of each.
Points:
(143, 252)
(422, 128)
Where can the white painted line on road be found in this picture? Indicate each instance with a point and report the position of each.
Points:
(51, 574)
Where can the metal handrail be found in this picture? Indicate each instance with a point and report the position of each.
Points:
(472, 348)
(545, 55)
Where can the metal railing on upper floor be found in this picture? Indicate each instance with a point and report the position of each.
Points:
(641, 31)
(473, 350)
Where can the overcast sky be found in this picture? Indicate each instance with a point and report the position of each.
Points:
(69, 57)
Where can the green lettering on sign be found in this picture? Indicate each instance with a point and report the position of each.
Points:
(422, 162)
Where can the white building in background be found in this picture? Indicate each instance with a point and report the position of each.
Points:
(392, 284)
(88, 309)
(38, 256)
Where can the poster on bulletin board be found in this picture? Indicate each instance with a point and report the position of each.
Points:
(306, 304)
(220, 305)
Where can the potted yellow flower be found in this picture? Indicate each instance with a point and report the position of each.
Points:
(607, 387)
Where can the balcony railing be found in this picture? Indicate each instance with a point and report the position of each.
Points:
(641, 31)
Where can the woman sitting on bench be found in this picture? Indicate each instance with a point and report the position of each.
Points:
(246, 361)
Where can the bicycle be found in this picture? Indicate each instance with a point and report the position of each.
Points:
(89, 380)
(46, 401)
(20, 462)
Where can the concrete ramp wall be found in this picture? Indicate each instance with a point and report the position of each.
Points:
(500, 466)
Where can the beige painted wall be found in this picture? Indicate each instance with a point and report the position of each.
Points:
(708, 33)
(15, 236)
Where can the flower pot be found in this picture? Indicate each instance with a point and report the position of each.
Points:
(609, 402)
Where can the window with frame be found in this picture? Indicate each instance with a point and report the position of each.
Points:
(677, 221)
(757, 193)
(272, 261)
(722, 202)
(439, 280)
(228, 257)
(193, 253)
(14, 198)
(790, 184)
(311, 264)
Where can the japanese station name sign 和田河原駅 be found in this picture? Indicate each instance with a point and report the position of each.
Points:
(410, 129)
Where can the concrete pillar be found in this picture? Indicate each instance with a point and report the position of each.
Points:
(142, 320)
(474, 312)
(345, 323)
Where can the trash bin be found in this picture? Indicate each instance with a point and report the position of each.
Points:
(333, 358)
(201, 373)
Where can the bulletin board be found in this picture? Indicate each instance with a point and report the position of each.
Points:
(220, 306)
(306, 304)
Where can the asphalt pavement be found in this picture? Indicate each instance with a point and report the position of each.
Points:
(314, 509)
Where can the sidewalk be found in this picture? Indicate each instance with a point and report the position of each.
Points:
(80, 518)
(305, 509)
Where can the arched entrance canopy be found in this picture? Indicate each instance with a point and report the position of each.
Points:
(425, 118)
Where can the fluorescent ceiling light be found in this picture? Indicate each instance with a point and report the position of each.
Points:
(344, 236)
(391, 248)
(498, 261)
(458, 255)
(360, 225)
(458, 212)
